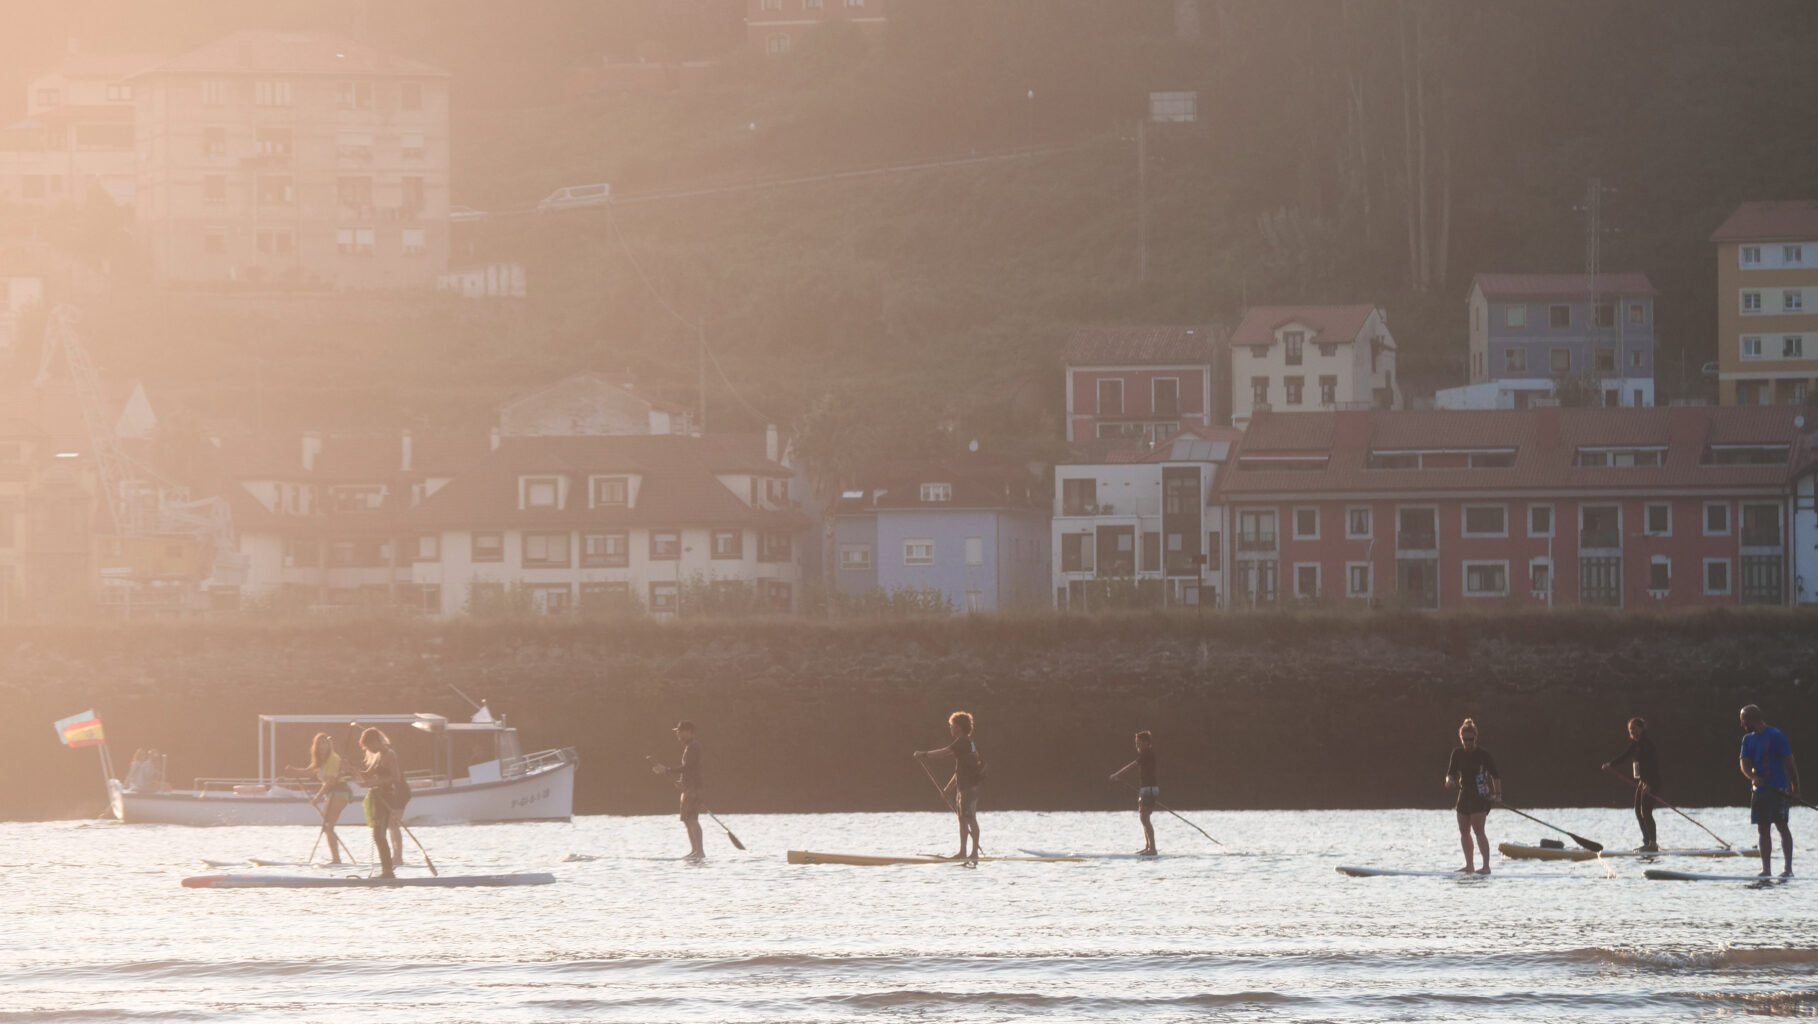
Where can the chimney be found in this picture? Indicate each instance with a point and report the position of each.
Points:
(495, 439)
(770, 443)
(312, 449)
(404, 451)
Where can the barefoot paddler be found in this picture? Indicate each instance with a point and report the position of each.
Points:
(961, 790)
(1644, 763)
(1472, 772)
(1767, 760)
(687, 776)
(1148, 790)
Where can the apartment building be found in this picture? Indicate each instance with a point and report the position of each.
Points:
(1141, 517)
(1310, 358)
(1767, 304)
(79, 133)
(664, 523)
(974, 530)
(1142, 384)
(294, 158)
(1620, 508)
(777, 26)
(19, 294)
(325, 521)
(1532, 334)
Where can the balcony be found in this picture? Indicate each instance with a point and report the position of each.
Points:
(1256, 543)
(1601, 537)
(1760, 538)
(1416, 540)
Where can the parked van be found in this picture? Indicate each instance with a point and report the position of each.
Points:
(575, 195)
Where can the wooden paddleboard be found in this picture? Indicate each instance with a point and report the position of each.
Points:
(1521, 851)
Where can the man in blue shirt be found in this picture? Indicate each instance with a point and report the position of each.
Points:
(1767, 761)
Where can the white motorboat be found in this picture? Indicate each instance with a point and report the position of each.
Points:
(498, 782)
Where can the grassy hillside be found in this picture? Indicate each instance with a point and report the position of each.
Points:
(947, 292)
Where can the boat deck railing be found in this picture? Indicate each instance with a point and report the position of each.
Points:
(526, 764)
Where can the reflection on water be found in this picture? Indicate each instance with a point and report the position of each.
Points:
(99, 929)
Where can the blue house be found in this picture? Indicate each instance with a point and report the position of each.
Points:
(1532, 332)
(975, 529)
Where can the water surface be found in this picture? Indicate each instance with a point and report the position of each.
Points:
(98, 928)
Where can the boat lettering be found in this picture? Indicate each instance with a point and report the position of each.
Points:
(530, 798)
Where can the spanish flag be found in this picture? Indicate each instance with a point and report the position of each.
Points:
(83, 730)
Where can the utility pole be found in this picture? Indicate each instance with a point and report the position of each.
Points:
(1142, 202)
(1593, 271)
(700, 330)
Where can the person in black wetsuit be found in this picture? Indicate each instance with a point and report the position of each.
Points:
(687, 776)
(1148, 790)
(1644, 763)
(961, 791)
(1472, 771)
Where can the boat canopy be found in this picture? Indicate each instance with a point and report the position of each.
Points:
(435, 725)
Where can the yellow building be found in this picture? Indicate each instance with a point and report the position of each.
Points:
(1767, 304)
(293, 157)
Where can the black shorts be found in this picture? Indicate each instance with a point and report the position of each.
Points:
(1768, 807)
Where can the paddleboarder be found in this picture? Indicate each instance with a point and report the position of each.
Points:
(1472, 772)
(1767, 761)
(1644, 763)
(1148, 791)
(386, 794)
(687, 776)
(961, 791)
(332, 796)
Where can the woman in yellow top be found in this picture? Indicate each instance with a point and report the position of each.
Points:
(332, 796)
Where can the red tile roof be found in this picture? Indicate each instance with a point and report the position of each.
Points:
(290, 53)
(1545, 442)
(1329, 323)
(104, 65)
(1143, 345)
(348, 459)
(679, 485)
(1625, 283)
(1762, 221)
(978, 481)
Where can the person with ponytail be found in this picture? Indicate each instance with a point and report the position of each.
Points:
(386, 794)
(332, 796)
(1472, 772)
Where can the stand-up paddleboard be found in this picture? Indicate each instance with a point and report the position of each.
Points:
(1051, 855)
(1357, 872)
(1663, 875)
(1521, 851)
(812, 857)
(263, 881)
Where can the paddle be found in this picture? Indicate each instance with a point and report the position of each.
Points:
(942, 790)
(1656, 798)
(398, 817)
(1189, 824)
(1574, 837)
(735, 839)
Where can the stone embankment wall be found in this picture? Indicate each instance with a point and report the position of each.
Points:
(1250, 711)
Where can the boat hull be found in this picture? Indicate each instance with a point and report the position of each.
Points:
(545, 794)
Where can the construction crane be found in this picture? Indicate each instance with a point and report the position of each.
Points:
(142, 504)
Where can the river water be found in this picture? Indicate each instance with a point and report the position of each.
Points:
(98, 928)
